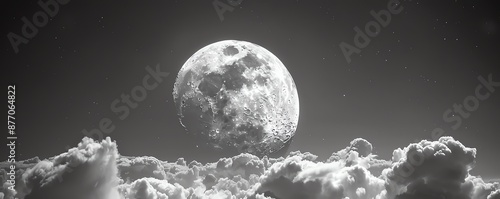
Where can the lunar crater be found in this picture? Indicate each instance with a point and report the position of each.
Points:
(239, 96)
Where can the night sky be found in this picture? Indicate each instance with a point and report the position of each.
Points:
(392, 93)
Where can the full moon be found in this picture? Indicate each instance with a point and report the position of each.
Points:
(238, 96)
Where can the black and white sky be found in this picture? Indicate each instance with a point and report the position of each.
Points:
(395, 91)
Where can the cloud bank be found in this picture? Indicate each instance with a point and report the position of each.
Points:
(95, 170)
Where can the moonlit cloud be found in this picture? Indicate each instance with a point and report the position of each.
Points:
(87, 171)
(92, 170)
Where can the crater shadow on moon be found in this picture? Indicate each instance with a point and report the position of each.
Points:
(237, 97)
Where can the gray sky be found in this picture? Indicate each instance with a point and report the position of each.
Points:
(393, 92)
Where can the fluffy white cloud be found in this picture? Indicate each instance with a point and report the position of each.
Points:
(153, 188)
(428, 169)
(494, 195)
(435, 170)
(141, 167)
(87, 172)
(303, 179)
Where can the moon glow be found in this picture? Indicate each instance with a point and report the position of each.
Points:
(238, 96)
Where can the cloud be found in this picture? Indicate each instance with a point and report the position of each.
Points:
(427, 169)
(6, 192)
(86, 171)
(434, 169)
(153, 188)
(132, 169)
(494, 195)
(296, 178)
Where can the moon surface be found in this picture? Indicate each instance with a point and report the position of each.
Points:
(237, 95)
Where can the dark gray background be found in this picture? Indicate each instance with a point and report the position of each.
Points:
(394, 92)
